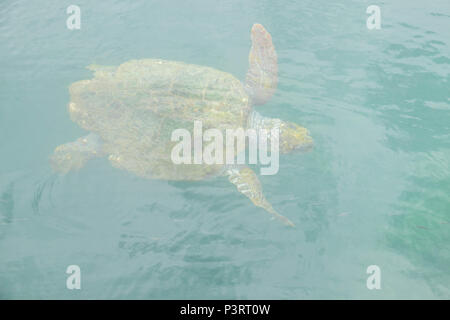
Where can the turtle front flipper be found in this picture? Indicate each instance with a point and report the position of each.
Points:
(248, 184)
(262, 75)
(73, 155)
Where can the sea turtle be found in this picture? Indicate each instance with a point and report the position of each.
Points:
(131, 111)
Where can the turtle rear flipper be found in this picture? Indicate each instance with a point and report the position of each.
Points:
(262, 75)
(73, 155)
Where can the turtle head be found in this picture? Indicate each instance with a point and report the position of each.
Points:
(294, 138)
(291, 136)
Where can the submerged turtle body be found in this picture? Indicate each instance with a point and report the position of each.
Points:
(135, 107)
(132, 110)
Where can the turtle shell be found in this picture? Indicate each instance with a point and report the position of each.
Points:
(136, 106)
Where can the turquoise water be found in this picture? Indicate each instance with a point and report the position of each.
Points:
(374, 191)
